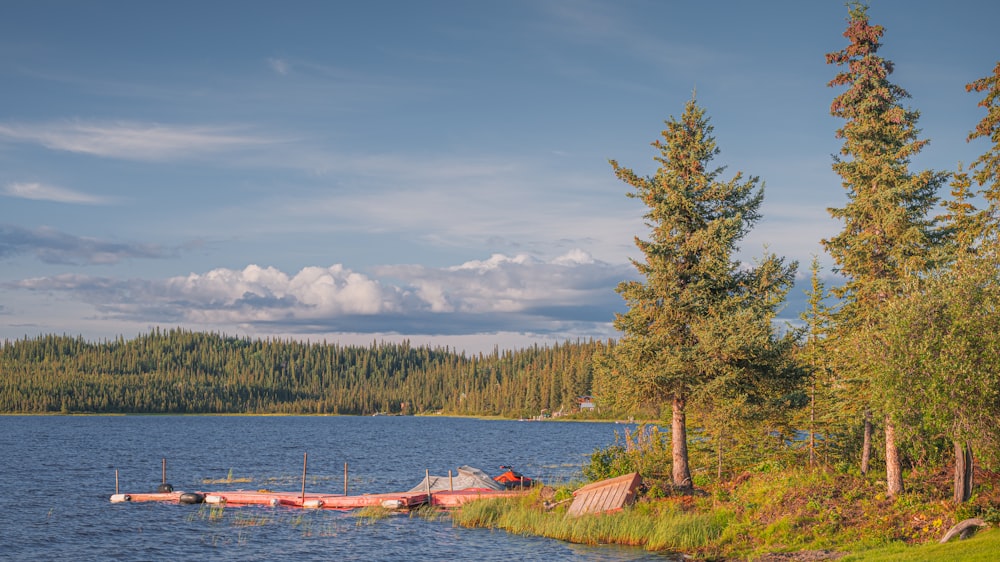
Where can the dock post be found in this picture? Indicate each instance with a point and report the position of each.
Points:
(163, 471)
(305, 457)
(345, 478)
(427, 484)
(451, 483)
(116, 481)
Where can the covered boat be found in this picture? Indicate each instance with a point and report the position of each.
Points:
(468, 478)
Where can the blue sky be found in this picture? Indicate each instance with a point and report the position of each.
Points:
(436, 171)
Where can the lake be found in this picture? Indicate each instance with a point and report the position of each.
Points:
(58, 473)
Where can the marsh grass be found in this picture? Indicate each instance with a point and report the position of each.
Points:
(429, 513)
(229, 479)
(653, 526)
(208, 512)
(370, 515)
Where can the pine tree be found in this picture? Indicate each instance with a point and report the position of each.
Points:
(697, 317)
(887, 234)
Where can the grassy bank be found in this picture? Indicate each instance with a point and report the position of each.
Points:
(984, 547)
(819, 514)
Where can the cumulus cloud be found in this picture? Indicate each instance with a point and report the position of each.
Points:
(44, 192)
(131, 140)
(52, 246)
(570, 294)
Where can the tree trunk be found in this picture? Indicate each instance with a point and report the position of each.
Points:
(718, 459)
(678, 442)
(893, 466)
(963, 472)
(866, 447)
(812, 424)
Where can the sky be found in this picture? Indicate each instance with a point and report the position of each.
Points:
(430, 171)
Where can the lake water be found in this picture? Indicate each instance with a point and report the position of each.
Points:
(57, 474)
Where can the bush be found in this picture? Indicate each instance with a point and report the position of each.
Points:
(645, 450)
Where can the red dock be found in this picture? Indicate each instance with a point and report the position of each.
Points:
(398, 500)
(453, 499)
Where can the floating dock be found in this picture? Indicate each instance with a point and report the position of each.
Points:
(422, 495)
(396, 501)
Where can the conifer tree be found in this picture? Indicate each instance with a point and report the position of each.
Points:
(816, 317)
(887, 233)
(986, 168)
(697, 317)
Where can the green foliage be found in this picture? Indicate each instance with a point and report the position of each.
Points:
(177, 371)
(699, 325)
(646, 451)
(987, 166)
(889, 236)
(887, 228)
(608, 462)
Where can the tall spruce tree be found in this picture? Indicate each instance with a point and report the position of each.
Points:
(887, 233)
(986, 168)
(698, 318)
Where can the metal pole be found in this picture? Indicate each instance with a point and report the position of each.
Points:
(345, 478)
(305, 457)
(427, 484)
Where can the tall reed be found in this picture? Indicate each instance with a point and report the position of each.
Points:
(659, 527)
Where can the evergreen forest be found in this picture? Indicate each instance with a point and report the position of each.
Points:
(181, 372)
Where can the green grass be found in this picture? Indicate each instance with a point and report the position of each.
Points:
(654, 526)
(983, 547)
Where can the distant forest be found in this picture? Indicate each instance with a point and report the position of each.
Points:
(183, 372)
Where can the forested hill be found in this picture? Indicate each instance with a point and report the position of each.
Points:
(178, 371)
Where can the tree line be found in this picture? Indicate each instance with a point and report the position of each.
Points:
(177, 371)
(896, 368)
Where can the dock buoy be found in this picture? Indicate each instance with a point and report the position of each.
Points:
(191, 498)
(119, 498)
(212, 498)
(164, 488)
(315, 504)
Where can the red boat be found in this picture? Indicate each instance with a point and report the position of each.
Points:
(513, 479)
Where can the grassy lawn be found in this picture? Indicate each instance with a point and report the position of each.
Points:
(983, 547)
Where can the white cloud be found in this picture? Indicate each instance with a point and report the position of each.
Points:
(131, 140)
(267, 294)
(572, 294)
(42, 192)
